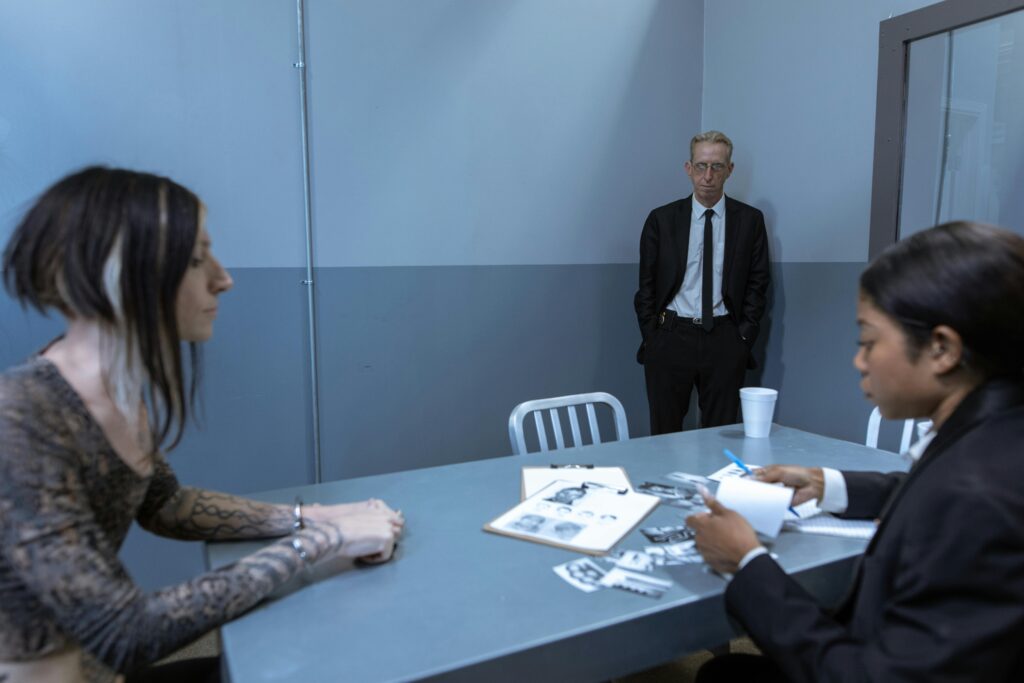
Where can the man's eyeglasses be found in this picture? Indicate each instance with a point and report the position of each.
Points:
(702, 167)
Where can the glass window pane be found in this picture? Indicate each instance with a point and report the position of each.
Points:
(964, 150)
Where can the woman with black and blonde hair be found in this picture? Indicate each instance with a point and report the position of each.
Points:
(126, 258)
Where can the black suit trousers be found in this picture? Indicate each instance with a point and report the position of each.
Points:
(681, 356)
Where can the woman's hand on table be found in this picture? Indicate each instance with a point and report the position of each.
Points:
(809, 482)
(368, 529)
(722, 536)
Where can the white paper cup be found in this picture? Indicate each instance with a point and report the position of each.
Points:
(758, 404)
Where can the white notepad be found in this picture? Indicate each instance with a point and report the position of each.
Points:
(762, 505)
(828, 525)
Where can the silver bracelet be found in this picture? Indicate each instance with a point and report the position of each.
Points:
(298, 523)
(301, 550)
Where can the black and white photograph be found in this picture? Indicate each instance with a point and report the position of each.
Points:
(667, 534)
(528, 523)
(545, 527)
(659, 490)
(568, 495)
(634, 582)
(583, 573)
(689, 479)
(566, 531)
(689, 487)
(660, 558)
(632, 559)
(686, 552)
(684, 496)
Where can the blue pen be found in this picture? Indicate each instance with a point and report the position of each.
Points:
(732, 456)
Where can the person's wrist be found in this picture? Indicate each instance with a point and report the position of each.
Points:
(308, 551)
(750, 555)
(817, 477)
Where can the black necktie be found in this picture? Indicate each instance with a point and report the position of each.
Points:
(707, 306)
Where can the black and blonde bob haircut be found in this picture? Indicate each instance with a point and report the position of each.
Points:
(965, 275)
(113, 245)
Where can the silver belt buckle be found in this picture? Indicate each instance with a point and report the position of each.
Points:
(696, 321)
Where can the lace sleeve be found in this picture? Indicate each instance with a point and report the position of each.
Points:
(56, 550)
(162, 488)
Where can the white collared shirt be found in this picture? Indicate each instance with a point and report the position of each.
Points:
(835, 498)
(687, 301)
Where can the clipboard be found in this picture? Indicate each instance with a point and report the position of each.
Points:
(536, 478)
(586, 517)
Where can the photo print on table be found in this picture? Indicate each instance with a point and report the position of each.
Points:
(685, 552)
(545, 527)
(690, 479)
(634, 582)
(667, 534)
(583, 573)
(688, 486)
(660, 558)
(684, 496)
(632, 559)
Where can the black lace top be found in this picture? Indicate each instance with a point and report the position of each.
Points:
(66, 503)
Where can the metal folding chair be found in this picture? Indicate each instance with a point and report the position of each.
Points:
(570, 405)
(875, 422)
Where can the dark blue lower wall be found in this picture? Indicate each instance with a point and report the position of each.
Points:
(421, 366)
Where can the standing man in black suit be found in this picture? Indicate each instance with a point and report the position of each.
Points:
(698, 323)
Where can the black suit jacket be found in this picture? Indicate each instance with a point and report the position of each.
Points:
(664, 243)
(939, 593)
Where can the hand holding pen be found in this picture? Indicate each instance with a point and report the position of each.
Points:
(808, 482)
(759, 476)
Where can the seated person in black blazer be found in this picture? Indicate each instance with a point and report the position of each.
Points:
(939, 593)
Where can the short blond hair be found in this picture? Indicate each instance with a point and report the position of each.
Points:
(712, 136)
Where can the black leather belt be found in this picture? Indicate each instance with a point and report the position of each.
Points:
(671, 319)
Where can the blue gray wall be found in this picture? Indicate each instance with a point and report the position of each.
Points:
(480, 186)
(793, 84)
(480, 175)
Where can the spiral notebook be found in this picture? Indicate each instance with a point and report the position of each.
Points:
(828, 525)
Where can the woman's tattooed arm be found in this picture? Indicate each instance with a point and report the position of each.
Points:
(200, 515)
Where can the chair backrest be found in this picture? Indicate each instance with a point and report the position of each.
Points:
(875, 422)
(570, 404)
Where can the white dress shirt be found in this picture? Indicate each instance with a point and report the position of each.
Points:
(687, 301)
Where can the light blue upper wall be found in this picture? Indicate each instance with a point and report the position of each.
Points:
(460, 132)
(793, 82)
(204, 92)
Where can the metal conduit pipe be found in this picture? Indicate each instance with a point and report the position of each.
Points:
(307, 205)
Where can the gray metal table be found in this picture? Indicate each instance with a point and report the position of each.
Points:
(461, 604)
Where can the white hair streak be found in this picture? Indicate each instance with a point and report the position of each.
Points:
(124, 374)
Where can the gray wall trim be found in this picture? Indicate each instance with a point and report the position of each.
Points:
(894, 38)
(307, 213)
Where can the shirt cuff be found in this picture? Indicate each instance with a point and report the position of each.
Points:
(756, 552)
(834, 498)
